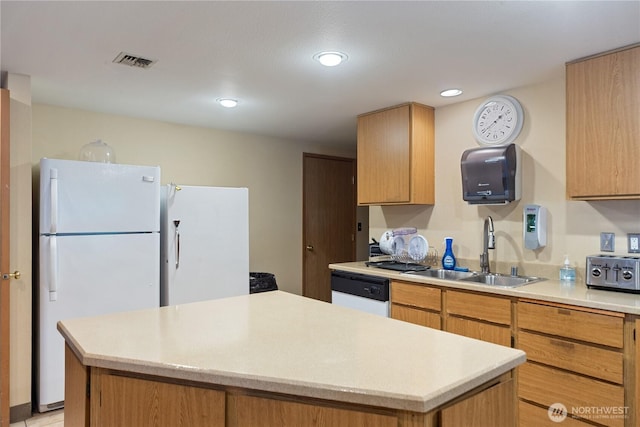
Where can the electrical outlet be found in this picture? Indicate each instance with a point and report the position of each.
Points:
(607, 242)
(633, 243)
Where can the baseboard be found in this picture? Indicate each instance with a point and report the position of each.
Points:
(20, 412)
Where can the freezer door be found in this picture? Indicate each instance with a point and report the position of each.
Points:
(205, 243)
(91, 275)
(90, 197)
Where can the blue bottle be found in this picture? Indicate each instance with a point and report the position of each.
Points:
(448, 260)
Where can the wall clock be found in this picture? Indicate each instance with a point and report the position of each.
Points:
(498, 120)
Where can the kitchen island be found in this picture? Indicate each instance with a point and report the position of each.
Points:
(275, 359)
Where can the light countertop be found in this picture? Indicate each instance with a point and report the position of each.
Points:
(548, 290)
(284, 343)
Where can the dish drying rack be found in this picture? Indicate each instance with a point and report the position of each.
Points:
(402, 238)
(431, 259)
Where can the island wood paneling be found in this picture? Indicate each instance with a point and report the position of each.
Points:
(134, 402)
(245, 411)
(75, 391)
(491, 408)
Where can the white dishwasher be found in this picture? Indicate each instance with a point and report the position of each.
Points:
(360, 292)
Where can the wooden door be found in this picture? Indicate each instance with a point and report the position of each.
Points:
(4, 258)
(329, 218)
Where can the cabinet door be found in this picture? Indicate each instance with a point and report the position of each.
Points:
(133, 402)
(396, 156)
(535, 416)
(603, 130)
(413, 295)
(573, 356)
(593, 327)
(496, 334)
(482, 307)
(547, 386)
(384, 156)
(416, 316)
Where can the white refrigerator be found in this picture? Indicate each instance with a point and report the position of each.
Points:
(99, 252)
(204, 243)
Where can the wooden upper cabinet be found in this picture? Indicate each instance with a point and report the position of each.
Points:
(603, 129)
(396, 156)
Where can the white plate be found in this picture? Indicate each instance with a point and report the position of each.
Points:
(386, 242)
(398, 245)
(418, 248)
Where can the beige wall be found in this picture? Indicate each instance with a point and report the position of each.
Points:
(270, 168)
(573, 227)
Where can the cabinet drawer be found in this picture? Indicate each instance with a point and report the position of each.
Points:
(416, 296)
(416, 315)
(534, 416)
(479, 330)
(483, 307)
(581, 325)
(548, 386)
(580, 358)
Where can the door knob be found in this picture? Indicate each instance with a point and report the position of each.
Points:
(309, 247)
(14, 275)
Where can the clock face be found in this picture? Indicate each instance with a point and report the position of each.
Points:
(498, 121)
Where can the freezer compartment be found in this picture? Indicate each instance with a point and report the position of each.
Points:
(83, 276)
(89, 197)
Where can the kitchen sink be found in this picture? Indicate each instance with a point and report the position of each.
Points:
(493, 279)
(502, 280)
(441, 273)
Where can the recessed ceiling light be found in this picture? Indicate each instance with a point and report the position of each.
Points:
(451, 92)
(330, 59)
(227, 102)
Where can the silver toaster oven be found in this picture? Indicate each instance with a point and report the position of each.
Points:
(614, 273)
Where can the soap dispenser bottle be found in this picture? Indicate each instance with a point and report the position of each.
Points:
(448, 259)
(567, 273)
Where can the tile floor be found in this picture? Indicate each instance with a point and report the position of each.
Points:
(49, 419)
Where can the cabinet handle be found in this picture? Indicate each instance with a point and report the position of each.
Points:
(564, 311)
(564, 344)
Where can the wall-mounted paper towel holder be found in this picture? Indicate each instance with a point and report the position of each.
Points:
(491, 175)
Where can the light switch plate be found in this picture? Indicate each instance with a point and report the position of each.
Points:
(607, 242)
(633, 243)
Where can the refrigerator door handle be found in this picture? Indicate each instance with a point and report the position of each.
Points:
(53, 269)
(176, 222)
(53, 181)
(177, 249)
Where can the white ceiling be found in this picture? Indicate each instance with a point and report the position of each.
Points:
(261, 53)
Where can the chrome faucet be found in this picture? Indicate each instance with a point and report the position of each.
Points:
(488, 242)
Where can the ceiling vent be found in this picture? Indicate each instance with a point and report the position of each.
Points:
(133, 60)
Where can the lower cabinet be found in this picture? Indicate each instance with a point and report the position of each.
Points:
(580, 359)
(535, 416)
(575, 363)
(483, 317)
(416, 303)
